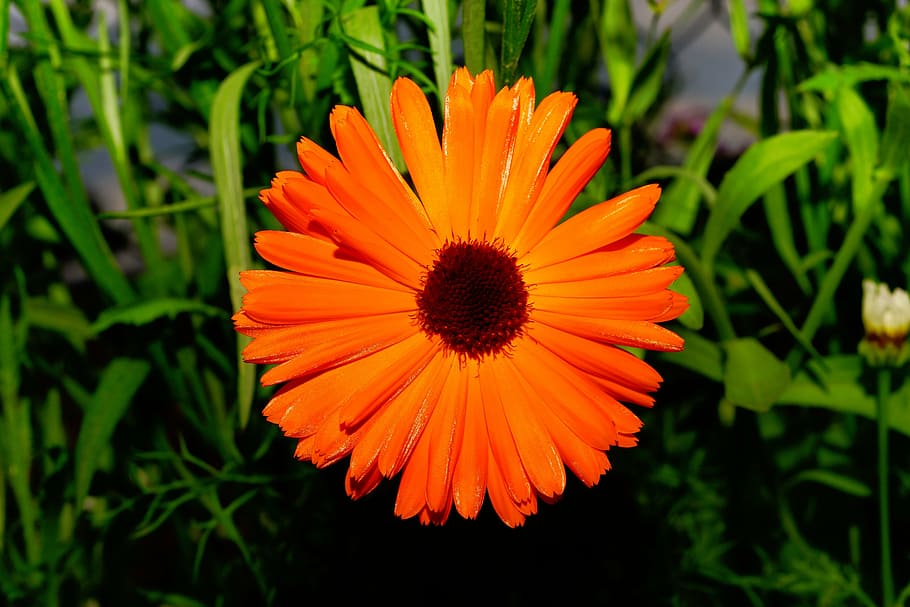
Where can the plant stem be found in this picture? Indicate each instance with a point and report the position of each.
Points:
(884, 391)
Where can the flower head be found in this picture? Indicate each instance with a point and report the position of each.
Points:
(448, 331)
(886, 318)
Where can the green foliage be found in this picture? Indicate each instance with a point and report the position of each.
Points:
(131, 469)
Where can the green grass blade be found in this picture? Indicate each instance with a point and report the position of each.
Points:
(69, 209)
(473, 34)
(618, 45)
(778, 218)
(861, 136)
(518, 15)
(12, 198)
(16, 434)
(227, 167)
(649, 79)
(896, 139)
(371, 74)
(110, 402)
(739, 27)
(763, 165)
(150, 310)
(440, 44)
(555, 47)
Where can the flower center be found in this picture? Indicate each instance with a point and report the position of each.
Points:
(474, 298)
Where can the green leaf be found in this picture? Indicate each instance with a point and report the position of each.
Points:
(700, 355)
(758, 283)
(440, 43)
(896, 139)
(834, 480)
(861, 136)
(147, 311)
(518, 15)
(12, 198)
(763, 165)
(778, 217)
(473, 34)
(618, 44)
(835, 384)
(694, 316)
(227, 167)
(371, 75)
(649, 79)
(739, 27)
(678, 206)
(838, 76)
(753, 377)
(110, 402)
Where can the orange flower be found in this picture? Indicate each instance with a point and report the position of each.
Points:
(449, 331)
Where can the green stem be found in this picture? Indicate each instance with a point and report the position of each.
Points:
(884, 391)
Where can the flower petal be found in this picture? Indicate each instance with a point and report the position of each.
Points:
(528, 172)
(390, 371)
(635, 333)
(568, 178)
(627, 285)
(313, 256)
(502, 444)
(459, 148)
(392, 222)
(594, 228)
(494, 159)
(445, 433)
(599, 359)
(291, 299)
(641, 307)
(363, 156)
(469, 480)
(631, 254)
(539, 455)
(311, 348)
(419, 142)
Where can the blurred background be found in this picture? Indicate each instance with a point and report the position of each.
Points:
(135, 467)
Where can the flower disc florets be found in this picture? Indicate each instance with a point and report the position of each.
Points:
(473, 298)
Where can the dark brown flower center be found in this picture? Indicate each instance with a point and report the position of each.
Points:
(474, 298)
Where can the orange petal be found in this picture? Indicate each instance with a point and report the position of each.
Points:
(629, 284)
(346, 231)
(594, 228)
(313, 159)
(300, 407)
(419, 142)
(568, 178)
(635, 333)
(539, 455)
(641, 307)
(445, 433)
(532, 160)
(502, 443)
(511, 512)
(292, 211)
(303, 299)
(493, 161)
(365, 158)
(599, 359)
(631, 254)
(458, 148)
(357, 488)
(412, 489)
(315, 350)
(389, 443)
(389, 371)
(469, 480)
(313, 256)
(570, 395)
